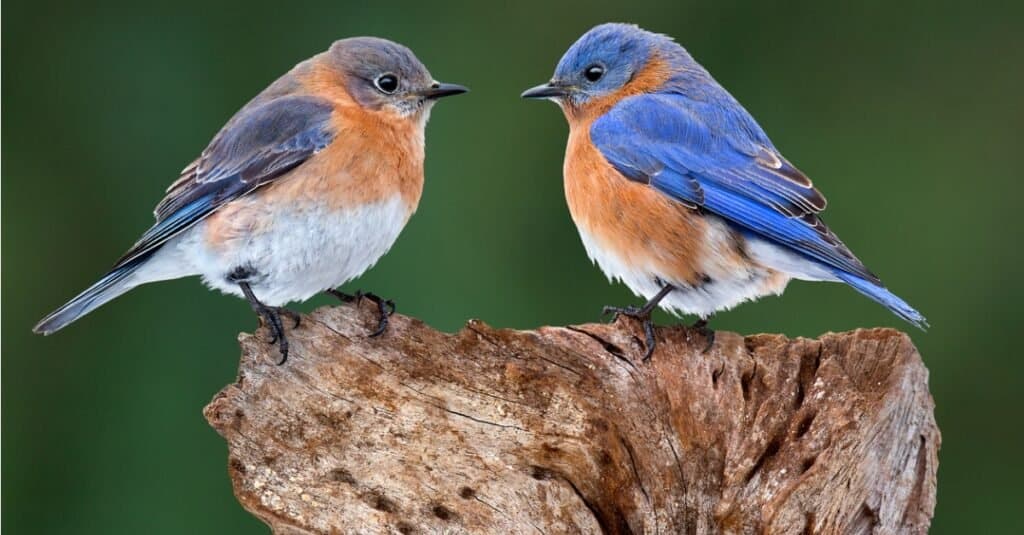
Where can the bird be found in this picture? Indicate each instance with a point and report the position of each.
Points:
(678, 193)
(303, 189)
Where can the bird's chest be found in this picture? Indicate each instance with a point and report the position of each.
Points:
(627, 226)
(322, 225)
(640, 236)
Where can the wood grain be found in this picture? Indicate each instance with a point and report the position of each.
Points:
(565, 430)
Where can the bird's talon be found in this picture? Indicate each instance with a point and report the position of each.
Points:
(382, 326)
(650, 341)
(271, 318)
(642, 315)
(385, 307)
(701, 326)
(346, 298)
(292, 315)
(630, 312)
(284, 351)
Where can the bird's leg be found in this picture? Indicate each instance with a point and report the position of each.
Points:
(701, 326)
(344, 297)
(385, 307)
(642, 314)
(271, 317)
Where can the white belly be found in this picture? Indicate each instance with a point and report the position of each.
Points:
(729, 284)
(300, 252)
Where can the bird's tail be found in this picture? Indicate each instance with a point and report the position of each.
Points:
(880, 295)
(113, 284)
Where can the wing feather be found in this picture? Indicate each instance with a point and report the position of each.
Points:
(256, 147)
(687, 150)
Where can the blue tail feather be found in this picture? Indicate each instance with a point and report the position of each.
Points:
(110, 286)
(885, 298)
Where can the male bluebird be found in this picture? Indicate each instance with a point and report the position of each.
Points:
(678, 192)
(305, 188)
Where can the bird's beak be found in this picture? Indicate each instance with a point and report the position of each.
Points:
(438, 90)
(548, 90)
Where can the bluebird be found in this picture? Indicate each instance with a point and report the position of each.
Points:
(303, 189)
(677, 192)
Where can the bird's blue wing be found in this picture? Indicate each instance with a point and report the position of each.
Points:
(701, 156)
(257, 146)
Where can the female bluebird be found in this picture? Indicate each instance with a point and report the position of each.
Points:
(677, 191)
(305, 188)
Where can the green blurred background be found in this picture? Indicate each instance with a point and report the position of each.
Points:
(908, 117)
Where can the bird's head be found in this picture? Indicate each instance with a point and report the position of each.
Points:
(609, 62)
(384, 76)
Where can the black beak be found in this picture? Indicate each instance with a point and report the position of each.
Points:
(548, 90)
(438, 90)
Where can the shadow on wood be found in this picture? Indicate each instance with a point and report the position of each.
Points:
(564, 430)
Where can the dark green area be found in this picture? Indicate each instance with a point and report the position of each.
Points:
(907, 117)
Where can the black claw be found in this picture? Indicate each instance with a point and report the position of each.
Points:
(271, 317)
(630, 312)
(292, 315)
(701, 326)
(642, 314)
(385, 307)
(342, 296)
(283, 347)
(650, 340)
(382, 325)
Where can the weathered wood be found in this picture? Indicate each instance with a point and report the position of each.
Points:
(565, 430)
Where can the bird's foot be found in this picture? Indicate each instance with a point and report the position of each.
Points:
(344, 297)
(271, 317)
(292, 315)
(641, 314)
(701, 327)
(631, 311)
(385, 307)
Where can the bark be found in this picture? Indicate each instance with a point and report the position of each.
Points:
(566, 430)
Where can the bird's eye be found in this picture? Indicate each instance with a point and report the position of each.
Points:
(386, 83)
(593, 73)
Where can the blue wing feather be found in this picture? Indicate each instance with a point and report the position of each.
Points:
(260, 144)
(717, 158)
(692, 152)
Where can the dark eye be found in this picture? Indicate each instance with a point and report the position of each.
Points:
(387, 83)
(593, 73)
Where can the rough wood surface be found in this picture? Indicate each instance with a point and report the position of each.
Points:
(564, 430)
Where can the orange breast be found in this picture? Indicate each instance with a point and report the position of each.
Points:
(640, 225)
(371, 160)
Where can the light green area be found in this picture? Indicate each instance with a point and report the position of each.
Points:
(908, 118)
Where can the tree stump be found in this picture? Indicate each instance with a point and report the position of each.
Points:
(567, 430)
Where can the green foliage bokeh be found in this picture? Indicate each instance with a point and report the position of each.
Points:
(907, 117)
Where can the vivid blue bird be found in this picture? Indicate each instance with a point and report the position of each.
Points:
(679, 193)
